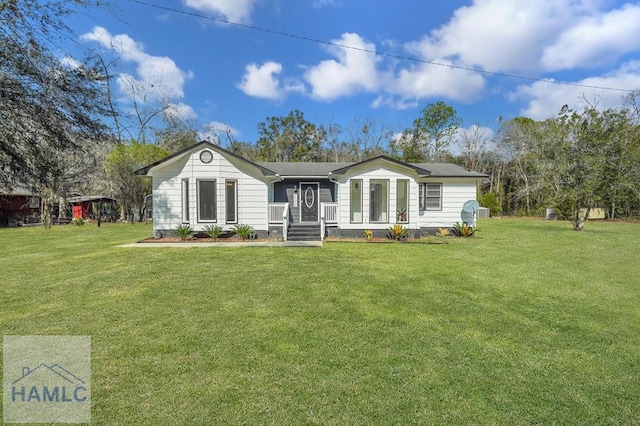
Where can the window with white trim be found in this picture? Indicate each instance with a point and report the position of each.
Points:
(207, 200)
(431, 196)
(379, 201)
(231, 201)
(402, 201)
(355, 200)
(185, 200)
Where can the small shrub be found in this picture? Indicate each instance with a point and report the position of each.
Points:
(397, 232)
(464, 230)
(243, 231)
(77, 221)
(442, 232)
(368, 234)
(184, 231)
(490, 201)
(213, 231)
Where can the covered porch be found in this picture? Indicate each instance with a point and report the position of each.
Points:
(281, 219)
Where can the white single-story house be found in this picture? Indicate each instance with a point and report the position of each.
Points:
(207, 185)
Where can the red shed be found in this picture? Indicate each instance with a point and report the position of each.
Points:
(83, 206)
(19, 206)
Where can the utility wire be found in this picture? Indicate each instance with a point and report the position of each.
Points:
(387, 54)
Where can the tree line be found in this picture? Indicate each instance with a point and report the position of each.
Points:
(62, 131)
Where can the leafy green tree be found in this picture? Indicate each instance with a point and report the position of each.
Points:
(289, 138)
(621, 172)
(131, 189)
(431, 135)
(572, 162)
(490, 201)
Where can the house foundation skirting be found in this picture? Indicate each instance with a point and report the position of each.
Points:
(171, 233)
(434, 230)
(359, 233)
(275, 231)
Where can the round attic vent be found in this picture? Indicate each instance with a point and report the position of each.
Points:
(206, 156)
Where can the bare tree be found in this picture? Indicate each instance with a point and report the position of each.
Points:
(49, 107)
(367, 138)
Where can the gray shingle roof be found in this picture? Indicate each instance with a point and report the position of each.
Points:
(323, 169)
(448, 170)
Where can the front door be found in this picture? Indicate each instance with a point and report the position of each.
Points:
(309, 202)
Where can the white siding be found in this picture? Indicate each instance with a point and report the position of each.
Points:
(455, 191)
(167, 198)
(389, 173)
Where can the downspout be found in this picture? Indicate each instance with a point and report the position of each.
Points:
(331, 179)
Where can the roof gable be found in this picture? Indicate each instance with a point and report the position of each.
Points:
(200, 145)
(317, 169)
(383, 158)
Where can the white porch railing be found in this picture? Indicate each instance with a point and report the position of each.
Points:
(285, 222)
(276, 210)
(278, 214)
(328, 215)
(330, 212)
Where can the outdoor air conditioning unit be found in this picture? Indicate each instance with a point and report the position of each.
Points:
(483, 213)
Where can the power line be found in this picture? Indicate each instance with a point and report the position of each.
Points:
(387, 54)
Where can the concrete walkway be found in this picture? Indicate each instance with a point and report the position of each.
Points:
(234, 244)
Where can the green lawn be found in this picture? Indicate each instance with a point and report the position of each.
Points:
(529, 322)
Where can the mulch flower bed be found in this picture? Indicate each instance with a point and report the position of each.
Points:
(205, 240)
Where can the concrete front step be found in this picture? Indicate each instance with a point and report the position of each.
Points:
(304, 233)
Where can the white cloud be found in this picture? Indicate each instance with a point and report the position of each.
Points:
(394, 102)
(232, 10)
(505, 35)
(544, 100)
(525, 38)
(428, 80)
(263, 82)
(156, 77)
(596, 40)
(181, 111)
(354, 70)
(498, 34)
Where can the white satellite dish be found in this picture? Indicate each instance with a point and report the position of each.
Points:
(471, 206)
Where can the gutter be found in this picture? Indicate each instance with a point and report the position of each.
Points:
(331, 179)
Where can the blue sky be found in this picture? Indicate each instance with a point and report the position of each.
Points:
(223, 75)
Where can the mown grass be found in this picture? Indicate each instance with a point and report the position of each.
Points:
(529, 322)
